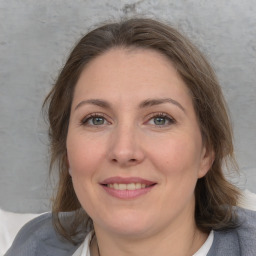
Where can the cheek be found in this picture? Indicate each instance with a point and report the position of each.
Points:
(177, 156)
(83, 155)
(84, 159)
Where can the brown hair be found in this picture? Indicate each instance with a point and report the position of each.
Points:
(214, 195)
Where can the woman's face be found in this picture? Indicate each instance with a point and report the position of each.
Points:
(134, 145)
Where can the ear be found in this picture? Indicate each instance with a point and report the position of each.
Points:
(207, 159)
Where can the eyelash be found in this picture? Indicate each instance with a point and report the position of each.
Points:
(85, 120)
(170, 120)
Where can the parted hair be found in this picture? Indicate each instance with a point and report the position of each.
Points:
(214, 195)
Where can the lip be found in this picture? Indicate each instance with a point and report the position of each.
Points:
(127, 194)
(126, 180)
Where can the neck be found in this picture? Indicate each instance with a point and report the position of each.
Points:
(179, 242)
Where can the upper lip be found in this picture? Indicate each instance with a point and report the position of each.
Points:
(126, 180)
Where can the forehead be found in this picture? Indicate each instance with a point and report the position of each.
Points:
(131, 59)
(130, 73)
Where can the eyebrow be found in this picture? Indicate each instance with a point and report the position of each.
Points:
(97, 102)
(154, 102)
(144, 104)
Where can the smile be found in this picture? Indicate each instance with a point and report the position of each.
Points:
(127, 188)
(130, 186)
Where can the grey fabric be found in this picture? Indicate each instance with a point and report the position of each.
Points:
(38, 238)
(239, 241)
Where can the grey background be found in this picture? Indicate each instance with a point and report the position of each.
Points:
(35, 39)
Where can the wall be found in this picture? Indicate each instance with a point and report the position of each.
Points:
(35, 39)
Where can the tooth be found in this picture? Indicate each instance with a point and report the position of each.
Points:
(122, 186)
(131, 186)
(138, 186)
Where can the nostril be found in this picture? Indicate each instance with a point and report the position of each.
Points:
(133, 160)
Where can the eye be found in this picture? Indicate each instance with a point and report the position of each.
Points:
(94, 120)
(161, 119)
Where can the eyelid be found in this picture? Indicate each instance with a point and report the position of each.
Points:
(149, 117)
(161, 114)
(86, 118)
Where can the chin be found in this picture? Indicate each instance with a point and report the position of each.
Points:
(129, 225)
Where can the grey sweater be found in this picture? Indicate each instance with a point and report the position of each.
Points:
(38, 238)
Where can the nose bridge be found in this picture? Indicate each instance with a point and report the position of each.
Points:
(125, 144)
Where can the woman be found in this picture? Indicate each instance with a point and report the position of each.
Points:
(139, 132)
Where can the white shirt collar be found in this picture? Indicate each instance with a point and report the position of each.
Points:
(205, 248)
(84, 248)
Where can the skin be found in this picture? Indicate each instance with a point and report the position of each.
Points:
(129, 141)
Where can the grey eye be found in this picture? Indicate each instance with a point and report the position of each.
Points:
(160, 120)
(94, 121)
(97, 120)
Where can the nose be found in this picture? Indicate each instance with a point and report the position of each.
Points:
(126, 147)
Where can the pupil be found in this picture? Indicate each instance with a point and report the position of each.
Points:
(159, 121)
(97, 121)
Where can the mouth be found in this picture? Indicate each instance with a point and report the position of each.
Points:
(127, 188)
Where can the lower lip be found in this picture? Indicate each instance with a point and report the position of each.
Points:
(127, 194)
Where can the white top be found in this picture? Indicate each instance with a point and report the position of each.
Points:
(84, 249)
(205, 248)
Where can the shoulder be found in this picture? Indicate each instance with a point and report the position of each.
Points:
(246, 231)
(247, 221)
(240, 241)
(38, 237)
